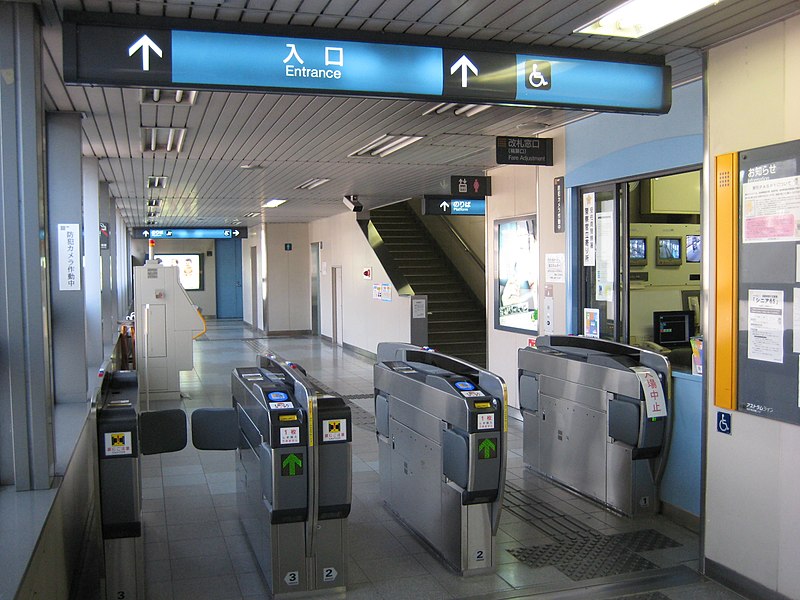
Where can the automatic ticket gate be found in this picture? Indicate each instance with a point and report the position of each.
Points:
(294, 473)
(596, 418)
(123, 435)
(441, 427)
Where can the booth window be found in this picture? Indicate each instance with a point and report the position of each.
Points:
(640, 252)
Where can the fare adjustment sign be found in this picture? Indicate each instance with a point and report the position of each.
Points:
(137, 51)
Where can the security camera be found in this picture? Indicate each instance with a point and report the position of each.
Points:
(352, 203)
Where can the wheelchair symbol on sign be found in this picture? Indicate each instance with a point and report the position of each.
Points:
(537, 79)
(724, 422)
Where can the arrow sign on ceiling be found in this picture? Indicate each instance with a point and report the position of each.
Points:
(444, 205)
(145, 44)
(463, 63)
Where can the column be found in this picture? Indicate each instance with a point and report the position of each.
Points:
(26, 396)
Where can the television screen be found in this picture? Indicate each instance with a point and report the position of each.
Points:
(517, 280)
(668, 251)
(693, 249)
(190, 268)
(673, 328)
(637, 256)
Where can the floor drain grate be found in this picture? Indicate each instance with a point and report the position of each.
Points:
(597, 555)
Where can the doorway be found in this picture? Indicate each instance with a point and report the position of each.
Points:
(337, 314)
(229, 278)
(315, 290)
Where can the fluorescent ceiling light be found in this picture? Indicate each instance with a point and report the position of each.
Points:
(637, 18)
(156, 181)
(310, 184)
(250, 215)
(386, 144)
(274, 203)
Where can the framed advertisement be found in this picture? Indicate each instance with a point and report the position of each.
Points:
(516, 282)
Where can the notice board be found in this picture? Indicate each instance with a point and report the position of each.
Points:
(769, 282)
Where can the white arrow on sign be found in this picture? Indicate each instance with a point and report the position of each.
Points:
(463, 63)
(145, 44)
(235, 233)
(145, 233)
(444, 205)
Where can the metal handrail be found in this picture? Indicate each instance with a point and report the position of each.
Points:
(457, 235)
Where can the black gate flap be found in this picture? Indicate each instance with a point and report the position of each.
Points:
(162, 431)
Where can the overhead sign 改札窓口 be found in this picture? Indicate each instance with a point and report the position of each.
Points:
(103, 49)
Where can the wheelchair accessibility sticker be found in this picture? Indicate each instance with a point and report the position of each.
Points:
(537, 74)
(724, 422)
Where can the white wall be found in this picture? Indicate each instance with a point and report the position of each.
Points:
(518, 191)
(365, 321)
(205, 299)
(752, 521)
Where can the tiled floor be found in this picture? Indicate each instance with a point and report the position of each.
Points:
(195, 549)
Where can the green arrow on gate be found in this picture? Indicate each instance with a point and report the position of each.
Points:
(292, 462)
(488, 447)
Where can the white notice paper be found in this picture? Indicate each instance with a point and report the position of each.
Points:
(69, 257)
(654, 399)
(796, 323)
(554, 268)
(765, 325)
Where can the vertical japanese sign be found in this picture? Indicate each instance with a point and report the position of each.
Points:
(588, 230)
(655, 401)
(69, 257)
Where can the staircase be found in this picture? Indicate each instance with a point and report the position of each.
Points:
(456, 319)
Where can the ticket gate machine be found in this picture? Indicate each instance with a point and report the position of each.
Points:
(124, 434)
(294, 473)
(441, 425)
(596, 418)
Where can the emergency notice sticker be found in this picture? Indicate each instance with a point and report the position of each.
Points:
(334, 430)
(290, 435)
(119, 444)
(485, 420)
(279, 405)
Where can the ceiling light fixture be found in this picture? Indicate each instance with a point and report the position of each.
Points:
(310, 184)
(386, 144)
(637, 18)
(274, 203)
(250, 215)
(402, 142)
(156, 181)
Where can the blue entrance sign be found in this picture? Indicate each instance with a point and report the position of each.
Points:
(137, 51)
(196, 233)
(256, 61)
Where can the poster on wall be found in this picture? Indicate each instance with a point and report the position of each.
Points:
(604, 264)
(517, 279)
(190, 268)
(768, 363)
(591, 322)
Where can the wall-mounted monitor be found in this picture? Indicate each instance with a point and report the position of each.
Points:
(516, 284)
(668, 251)
(694, 250)
(673, 328)
(190, 268)
(637, 255)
